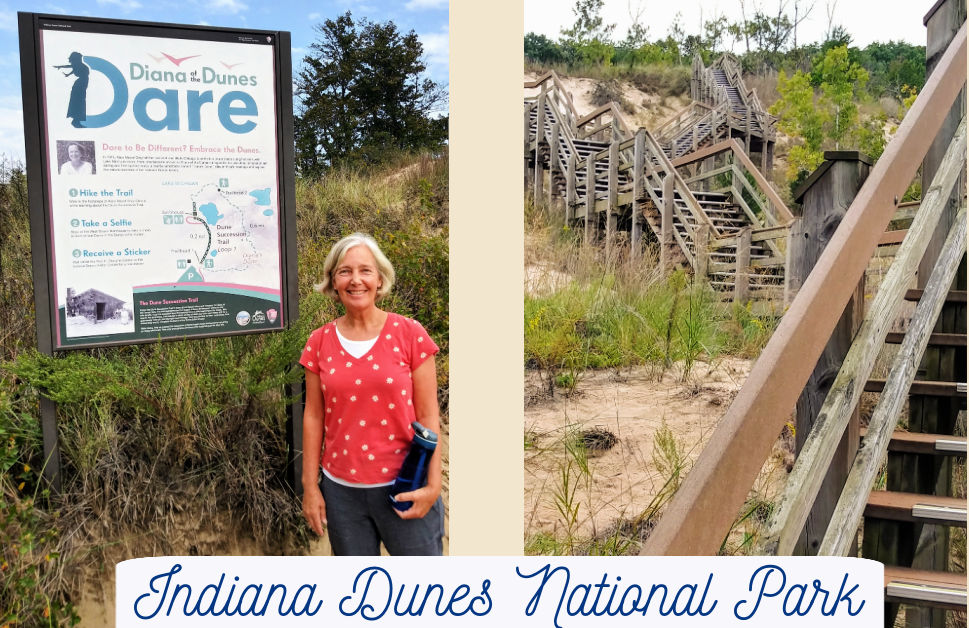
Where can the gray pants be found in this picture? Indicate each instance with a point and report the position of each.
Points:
(358, 519)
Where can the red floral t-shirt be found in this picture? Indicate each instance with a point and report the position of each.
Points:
(367, 401)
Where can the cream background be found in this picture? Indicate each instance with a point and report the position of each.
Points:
(486, 343)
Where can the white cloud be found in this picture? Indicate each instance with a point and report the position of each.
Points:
(436, 47)
(12, 129)
(226, 6)
(126, 6)
(418, 5)
(313, 17)
(8, 21)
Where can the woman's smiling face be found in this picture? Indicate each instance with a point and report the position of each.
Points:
(356, 278)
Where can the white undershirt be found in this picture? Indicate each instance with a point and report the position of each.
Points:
(356, 348)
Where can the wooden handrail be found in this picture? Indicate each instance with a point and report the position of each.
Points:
(815, 456)
(554, 77)
(761, 234)
(595, 113)
(704, 508)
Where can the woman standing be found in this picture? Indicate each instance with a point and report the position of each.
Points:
(369, 374)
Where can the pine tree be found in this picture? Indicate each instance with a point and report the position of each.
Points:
(364, 98)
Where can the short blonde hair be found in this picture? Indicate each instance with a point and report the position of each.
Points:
(384, 268)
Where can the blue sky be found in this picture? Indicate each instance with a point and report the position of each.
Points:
(428, 18)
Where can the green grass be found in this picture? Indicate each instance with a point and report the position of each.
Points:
(584, 311)
(610, 323)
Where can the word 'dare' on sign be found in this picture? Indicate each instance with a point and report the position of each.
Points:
(232, 106)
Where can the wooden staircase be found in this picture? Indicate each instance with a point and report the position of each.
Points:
(722, 108)
(910, 518)
(608, 176)
(903, 522)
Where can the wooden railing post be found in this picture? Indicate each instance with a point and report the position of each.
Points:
(942, 25)
(528, 145)
(539, 136)
(612, 206)
(540, 119)
(553, 165)
(639, 162)
(702, 251)
(570, 174)
(666, 222)
(825, 197)
(539, 178)
(741, 278)
(590, 198)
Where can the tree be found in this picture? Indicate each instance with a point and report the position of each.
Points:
(589, 37)
(800, 118)
(842, 82)
(629, 49)
(589, 25)
(363, 97)
(830, 119)
(541, 49)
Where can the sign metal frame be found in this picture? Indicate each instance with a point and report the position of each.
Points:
(40, 209)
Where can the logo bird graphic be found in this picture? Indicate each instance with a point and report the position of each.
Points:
(229, 66)
(175, 60)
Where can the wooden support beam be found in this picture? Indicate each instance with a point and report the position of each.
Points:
(702, 248)
(741, 279)
(666, 225)
(824, 206)
(590, 198)
(537, 191)
(639, 161)
(553, 163)
(702, 511)
(612, 207)
(570, 175)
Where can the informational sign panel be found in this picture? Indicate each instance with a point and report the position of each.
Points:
(161, 150)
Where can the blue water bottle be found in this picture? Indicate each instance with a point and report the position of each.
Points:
(413, 473)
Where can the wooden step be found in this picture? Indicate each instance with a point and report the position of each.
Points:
(926, 388)
(954, 296)
(919, 587)
(914, 507)
(930, 444)
(935, 340)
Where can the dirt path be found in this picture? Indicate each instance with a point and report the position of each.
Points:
(634, 406)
